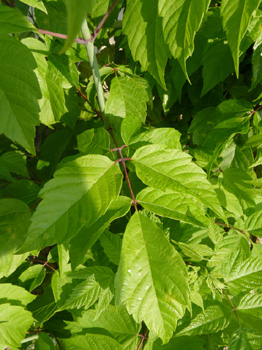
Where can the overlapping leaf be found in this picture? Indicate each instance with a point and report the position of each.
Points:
(79, 194)
(151, 277)
(167, 169)
(92, 341)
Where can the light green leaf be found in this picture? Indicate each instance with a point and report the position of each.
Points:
(14, 318)
(127, 97)
(246, 339)
(52, 103)
(39, 4)
(195, 252)
(146, 281)
(15, 295)
(114, 319)
(236, 16)
(181, 21)
(13, 21)
(32, 277)
(91, 341)
(19, 108)
(246, 276)
(111, 244)
(81, 288)
(173, 205)
(94, 141)
(167, 169)
(252, 304)
(80, 192)
(164, 136)
(104, 301)
(87, 236)
(76, 14)
(143, 27)
(213, 319)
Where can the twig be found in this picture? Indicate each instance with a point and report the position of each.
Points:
(86, 99)
(236, 229)
(143, 337)
(79, 40)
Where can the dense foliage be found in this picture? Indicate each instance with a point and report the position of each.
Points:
(130, 173)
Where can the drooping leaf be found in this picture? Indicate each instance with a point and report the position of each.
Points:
(75, 17)
(167, 169)
(181, 21)
(256, 66)
(79, 194)
(151, 277)
(44, 342)
(127, 97)
(32, 277)
(236, 16)
(143, 27)
(19, 110)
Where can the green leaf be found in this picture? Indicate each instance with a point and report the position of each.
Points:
(18, 320)
(143, 27)
(52, 103)
(79, 194)
(14, 222)
(246, 276)
(253, 223)
(32, 277)
(146, 281)
(94, 141)
(252, 304)
(44, 342)
(236, 16)
(13, 21)
(18, 107)
(14, 162)
(181, 21)
(15, 295)
(39, 4)
(87, 236)
(213, 319)
(91, 341)
(256, 67)
(217, 64)
(114, 319)
(167, 169)
(173, 205)
(127, 97)
(111, 244)
(183, 343)
(245, 339)
(75, 17)
(81, 288)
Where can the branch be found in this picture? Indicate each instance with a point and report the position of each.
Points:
(143, 337)
(236, 229)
